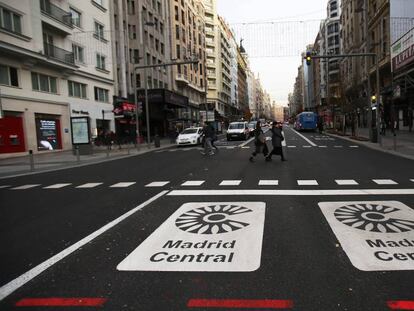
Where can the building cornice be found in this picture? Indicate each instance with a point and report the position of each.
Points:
(34, 99)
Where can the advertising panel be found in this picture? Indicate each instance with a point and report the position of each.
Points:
(47, 131)
(80, 130)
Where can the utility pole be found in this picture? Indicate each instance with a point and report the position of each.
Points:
(367, 50)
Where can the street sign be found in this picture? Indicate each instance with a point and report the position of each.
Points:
(203, 236)
(375, 235)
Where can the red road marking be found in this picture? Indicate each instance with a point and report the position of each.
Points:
(401, 304)
(240, 303)
(61, 302)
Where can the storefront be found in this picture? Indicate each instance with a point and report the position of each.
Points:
(12, 134)
(48, 132)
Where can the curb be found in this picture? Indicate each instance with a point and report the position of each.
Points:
(114, 158)
(373, 146)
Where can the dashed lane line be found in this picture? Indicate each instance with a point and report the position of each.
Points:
(24, 187)
(309, 182)
(268, 182)
(122, 185)
(190, 183)
(305, 138)
(89, 185)
(384, 182)
(230, 183)
(15, 284)
(346, 182)
(57, 186)
(157, 184)
(5, 186)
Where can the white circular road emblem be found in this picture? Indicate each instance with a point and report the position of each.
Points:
(212, 219)
(373, 218)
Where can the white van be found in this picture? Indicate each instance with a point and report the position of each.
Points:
(238, 130)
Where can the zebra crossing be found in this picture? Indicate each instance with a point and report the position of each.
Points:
(199, 183)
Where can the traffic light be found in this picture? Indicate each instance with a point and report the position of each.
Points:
(373, 102)
(308, 58)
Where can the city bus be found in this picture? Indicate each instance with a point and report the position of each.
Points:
(306, 121)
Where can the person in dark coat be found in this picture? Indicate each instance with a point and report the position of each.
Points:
(209, 133)
(259, 142)
(277, 138)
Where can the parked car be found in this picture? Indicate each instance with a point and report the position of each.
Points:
(238, 130)
(190, 136)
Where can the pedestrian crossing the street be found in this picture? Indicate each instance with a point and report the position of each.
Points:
(220, 183)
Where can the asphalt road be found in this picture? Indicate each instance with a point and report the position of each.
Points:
(278, 243)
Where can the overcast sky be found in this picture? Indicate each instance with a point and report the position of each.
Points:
(290, 26)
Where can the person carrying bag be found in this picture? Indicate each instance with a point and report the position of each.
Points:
(259, 142)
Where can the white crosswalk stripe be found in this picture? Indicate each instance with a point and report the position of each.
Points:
(309, 182)
(89, 185)
(384, 182)
(346, 182)
(24, 187)
(122, 185)
(193, 183)
(230, 183)
(57, 186)
(353, 146)
(412, 180)
(157, 184)
(268, 182)
(4, 186)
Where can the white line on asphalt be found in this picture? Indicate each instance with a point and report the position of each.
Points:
(307, 146)
(193, 183)
(245, 147)
(384, 182)
(323, 146)
(122, 185)
(231, 147)
(89, 185)
(56, 186)
(310, 182)
(268, 182)
(4, 186)
(305, 138)
(412, 180)
(345, 182)
(24, 187)
(158, 184)
(32, 273)
(291, 146)
(246, 142)
(292, 192)
(230, 183)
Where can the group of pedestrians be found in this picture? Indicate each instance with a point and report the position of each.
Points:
(261, 145)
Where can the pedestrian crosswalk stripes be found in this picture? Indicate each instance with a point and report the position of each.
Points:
(199, 183)
(90, 185)
(122, 184)
(157, 184)
(57, 186)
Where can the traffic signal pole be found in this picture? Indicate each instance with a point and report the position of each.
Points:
(309, 56)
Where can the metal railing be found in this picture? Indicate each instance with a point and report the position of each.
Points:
(56, 12)
(58, 53)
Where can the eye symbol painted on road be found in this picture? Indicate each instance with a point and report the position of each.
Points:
(213, 219)
(373, 218)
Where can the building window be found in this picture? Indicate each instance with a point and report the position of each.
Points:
(178, 51)
(44, 83)
(134, 32)
(138, 80)
(8, 76)
(77, 89)
(99, 31)
(161, 28)
(131, 7)
(78, 53)
(101, 95)
(177, 32)
(162, 48)
(176, 13)
(10, 21)
(75, 17)
(99, 2)
(100, 61)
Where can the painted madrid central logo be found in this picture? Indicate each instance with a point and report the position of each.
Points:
(212, 219)
(373, 218)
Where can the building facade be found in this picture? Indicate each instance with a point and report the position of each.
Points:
(55, 66)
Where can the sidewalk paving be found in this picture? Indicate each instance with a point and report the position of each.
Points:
(50, 161)
(402, 144)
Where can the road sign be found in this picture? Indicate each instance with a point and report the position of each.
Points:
(218, 236)
(375, 235)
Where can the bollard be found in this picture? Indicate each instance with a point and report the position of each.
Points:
(395, 141)
(31, 160)
(77, 154)
(157, 142)
(107, 151)
(129, 148)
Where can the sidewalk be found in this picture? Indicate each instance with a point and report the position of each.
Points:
(17, 166)
(402, 144)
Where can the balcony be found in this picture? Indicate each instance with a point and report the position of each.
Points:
(181, 78)
(56, 17)
(58, 54)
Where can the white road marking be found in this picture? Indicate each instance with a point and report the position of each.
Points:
(353, 146)
(323, 146)
(24, 187)
(307, 146)
(18, 282)
(89, 185)
(56, 186)
(4, 186)
(193, 183)
(230, 183)
(344, 182)
(270, 192)
(268, 182)
(305, 138)
(309, 182)
(158, 184)
(245, 147)
(246, 142)
(291, 146)
(384, 182)
(203, 236)
(412, 180)
(231, 147)
(122, 184)
(173, 150)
